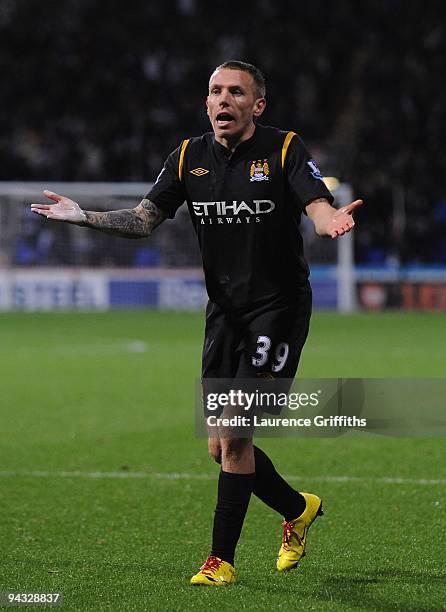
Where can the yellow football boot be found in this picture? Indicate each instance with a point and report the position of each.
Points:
(214, 572)
(295, 533)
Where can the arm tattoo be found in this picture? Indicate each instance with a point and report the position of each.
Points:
(130, 223)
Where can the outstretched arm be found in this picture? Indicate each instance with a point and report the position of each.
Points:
(329, 221)
(132, 223)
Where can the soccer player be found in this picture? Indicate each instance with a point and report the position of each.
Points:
(246, 186)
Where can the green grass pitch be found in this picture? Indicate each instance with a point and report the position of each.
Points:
(112, 393)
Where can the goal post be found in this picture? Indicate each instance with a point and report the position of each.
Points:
(346, 285)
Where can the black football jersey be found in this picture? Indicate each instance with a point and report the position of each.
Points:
(246, 208)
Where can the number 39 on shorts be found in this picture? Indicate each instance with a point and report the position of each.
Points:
(263, 350)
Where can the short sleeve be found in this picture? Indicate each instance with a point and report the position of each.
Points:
(168, 192)
(304, 177)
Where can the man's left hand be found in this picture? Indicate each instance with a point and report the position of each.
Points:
(342, 220)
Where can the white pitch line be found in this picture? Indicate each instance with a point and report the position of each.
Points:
(93, 349)
(203, 476)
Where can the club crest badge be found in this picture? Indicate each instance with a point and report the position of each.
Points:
(259, 170)
(315, 172)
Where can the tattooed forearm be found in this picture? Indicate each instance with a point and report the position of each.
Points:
(131, 223)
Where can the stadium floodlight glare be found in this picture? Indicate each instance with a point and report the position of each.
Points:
(332, 182)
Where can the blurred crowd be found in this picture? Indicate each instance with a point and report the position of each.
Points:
(103, 91)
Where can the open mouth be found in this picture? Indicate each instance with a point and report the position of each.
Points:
(224, 119)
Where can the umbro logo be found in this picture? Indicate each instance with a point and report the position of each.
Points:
(199, 171)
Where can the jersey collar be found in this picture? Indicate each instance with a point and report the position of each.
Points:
(244, 146)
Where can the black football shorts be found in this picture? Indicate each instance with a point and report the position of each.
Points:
(264, 342)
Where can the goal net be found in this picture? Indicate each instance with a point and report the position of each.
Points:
(50, 265)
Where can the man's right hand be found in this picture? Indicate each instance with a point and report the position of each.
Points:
(64, 209)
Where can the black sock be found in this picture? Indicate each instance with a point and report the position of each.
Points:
(234, 491)
(273, 490)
